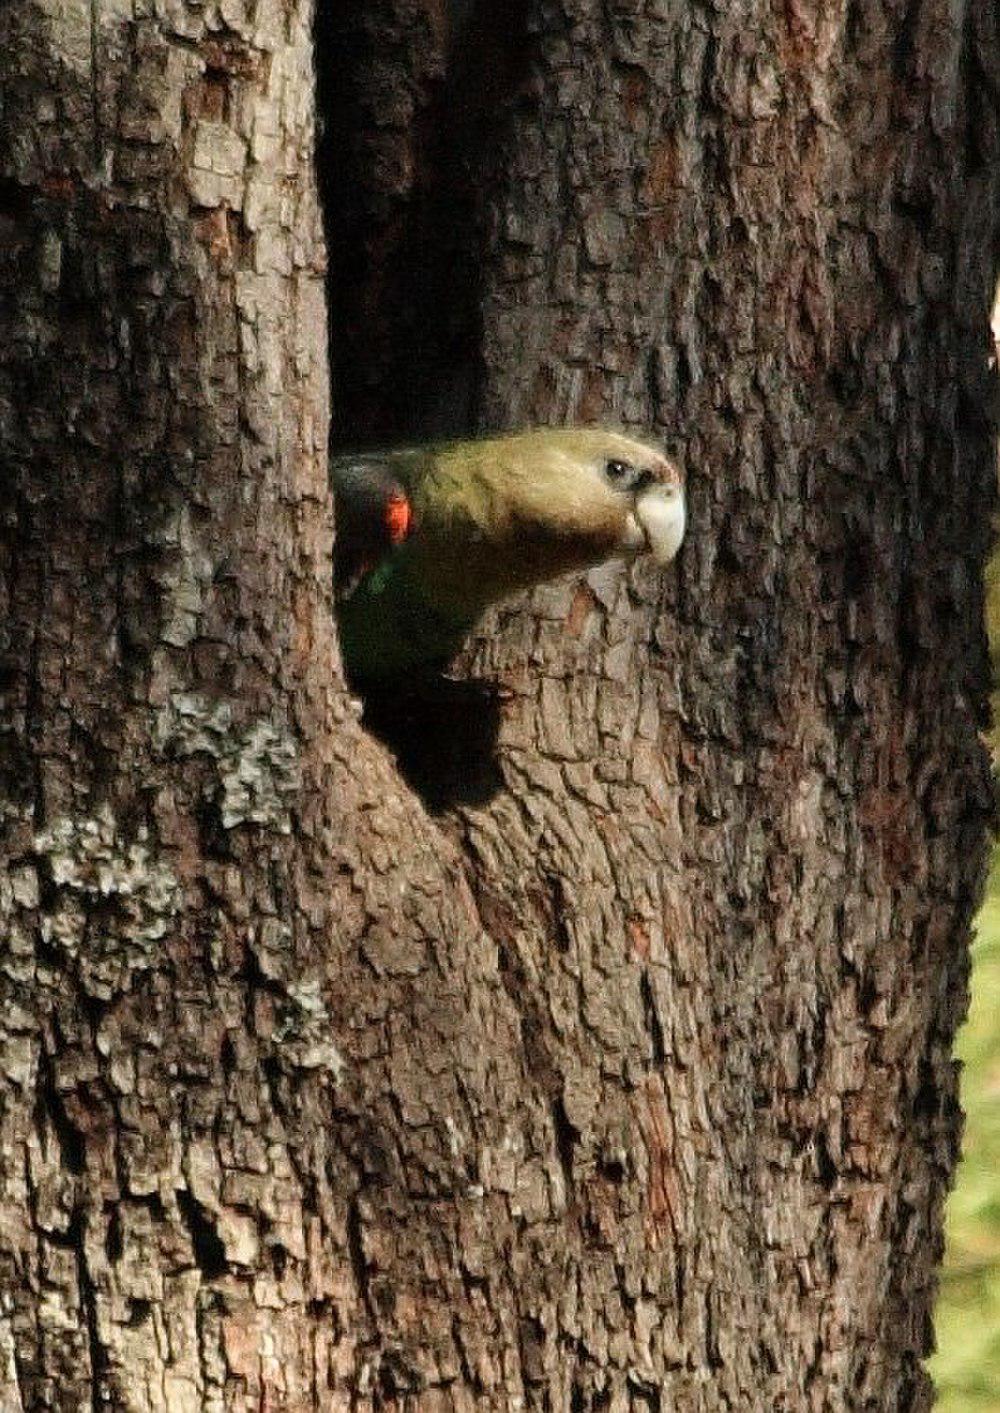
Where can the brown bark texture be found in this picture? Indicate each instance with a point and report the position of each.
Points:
(598, 1059)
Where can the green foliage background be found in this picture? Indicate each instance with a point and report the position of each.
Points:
(966, 1368)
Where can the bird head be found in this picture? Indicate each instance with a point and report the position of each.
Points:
(635, 482)
(581, 495)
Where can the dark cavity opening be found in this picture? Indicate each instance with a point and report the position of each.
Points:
(413, 99)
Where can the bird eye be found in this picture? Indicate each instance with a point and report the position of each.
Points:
(620, 473)
(626, 477)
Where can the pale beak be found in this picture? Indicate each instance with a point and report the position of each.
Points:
(660, 513)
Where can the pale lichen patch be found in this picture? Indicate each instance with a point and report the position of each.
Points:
(303, 1030)
(91, 863)
(261, 779)
(185, 582)
(272, 949)
(257, 763)
(24, 886)
(190, 724)
(18, 953)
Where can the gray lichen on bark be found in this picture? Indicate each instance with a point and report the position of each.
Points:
(88, 861)
(257, 765)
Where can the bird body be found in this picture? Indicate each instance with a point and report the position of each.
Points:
(429, 537)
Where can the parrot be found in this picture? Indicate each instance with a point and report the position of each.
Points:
(429, 537)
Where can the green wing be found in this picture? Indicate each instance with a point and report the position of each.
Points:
(390, 623)
(388, 628)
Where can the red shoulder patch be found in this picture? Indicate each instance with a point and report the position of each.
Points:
(398, 517)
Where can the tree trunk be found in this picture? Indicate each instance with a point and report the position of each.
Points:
(625, 1083)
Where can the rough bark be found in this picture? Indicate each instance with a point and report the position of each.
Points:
(629, 1085)
(197, 837)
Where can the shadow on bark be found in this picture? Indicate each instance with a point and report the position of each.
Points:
(443, 733)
